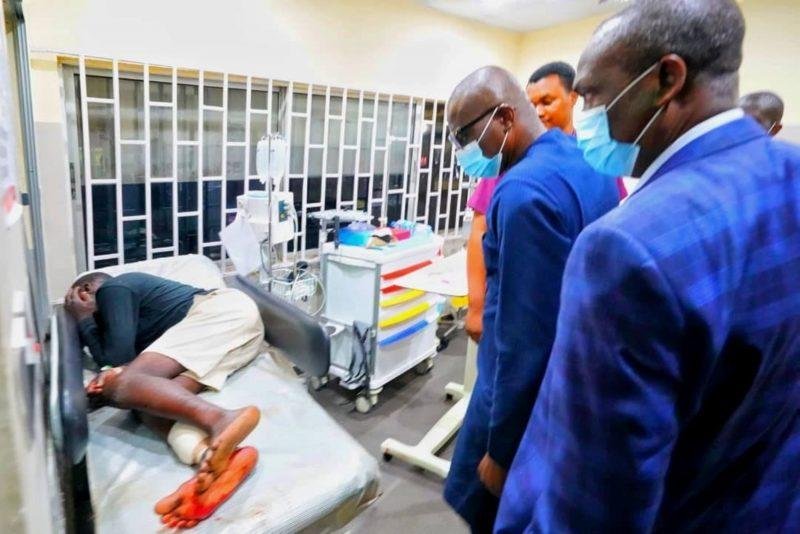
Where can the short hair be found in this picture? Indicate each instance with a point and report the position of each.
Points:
(707, 34)
(764, 103)
(564, 71)
(90, 278)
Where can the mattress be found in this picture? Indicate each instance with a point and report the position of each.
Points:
(311, 475)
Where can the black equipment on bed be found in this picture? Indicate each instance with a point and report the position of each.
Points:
(69, 423)
(295, 333)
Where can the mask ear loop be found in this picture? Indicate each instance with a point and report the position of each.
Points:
(769, 132)
(633, 83)
(503, 145)
(649, 124)
(491, 117)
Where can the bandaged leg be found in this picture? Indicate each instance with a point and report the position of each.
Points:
(188, 442)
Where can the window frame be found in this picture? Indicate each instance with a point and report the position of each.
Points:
(448, 187)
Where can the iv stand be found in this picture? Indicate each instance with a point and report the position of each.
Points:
(265, 277)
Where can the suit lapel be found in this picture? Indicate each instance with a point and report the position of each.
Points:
(729, 135)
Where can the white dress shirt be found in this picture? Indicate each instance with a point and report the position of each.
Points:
(697, 131)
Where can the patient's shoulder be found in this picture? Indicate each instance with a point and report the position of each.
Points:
(133, 281)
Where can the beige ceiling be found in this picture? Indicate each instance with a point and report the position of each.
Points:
(524, 15)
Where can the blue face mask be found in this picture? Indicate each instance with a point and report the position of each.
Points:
(472, 160)
(600, 150)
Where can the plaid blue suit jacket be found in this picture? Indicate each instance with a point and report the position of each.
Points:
(671, 401)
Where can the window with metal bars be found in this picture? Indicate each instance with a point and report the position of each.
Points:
(161, 153)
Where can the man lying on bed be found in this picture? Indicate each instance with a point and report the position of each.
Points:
(166, 342)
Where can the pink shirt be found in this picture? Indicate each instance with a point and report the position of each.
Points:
(482, 196)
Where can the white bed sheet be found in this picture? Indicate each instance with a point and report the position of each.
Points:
(311, 475)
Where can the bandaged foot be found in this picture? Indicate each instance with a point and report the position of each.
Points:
(187, 507)
(189, 443)
(224, 439)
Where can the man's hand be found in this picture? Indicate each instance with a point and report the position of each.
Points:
(492, 475)
(77, 306)
(94, 389)
(473, 324)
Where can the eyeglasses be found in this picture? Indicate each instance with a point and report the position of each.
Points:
(457, 136)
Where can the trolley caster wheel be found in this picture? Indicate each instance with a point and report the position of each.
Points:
(372, 395)
(443, 344)
(387, 457)
(363, 404)
(424, 366)
(318, 382)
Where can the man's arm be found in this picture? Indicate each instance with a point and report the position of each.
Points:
(609, 410)
(476, 277)
(532, 248)
(119, 315)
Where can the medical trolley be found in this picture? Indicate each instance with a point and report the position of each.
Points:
(379, 329)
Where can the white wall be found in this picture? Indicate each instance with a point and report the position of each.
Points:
(559, 43)
(395, 46)
(772, 55)
(771, 52)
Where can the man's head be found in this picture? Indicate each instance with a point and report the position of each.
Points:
(85, 288)
(683, 57)
(766, 108)
(550, 90)
(489, 107)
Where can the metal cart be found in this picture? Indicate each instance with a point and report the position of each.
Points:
(378, 330)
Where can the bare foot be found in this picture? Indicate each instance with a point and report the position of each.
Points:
(187, 507)
(227, 435)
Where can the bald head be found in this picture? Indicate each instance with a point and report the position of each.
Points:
(706, 34)
(765, 107)
(482, 89)
(490, 106)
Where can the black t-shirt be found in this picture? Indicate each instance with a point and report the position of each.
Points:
(133, 310)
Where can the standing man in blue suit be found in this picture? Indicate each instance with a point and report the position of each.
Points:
(545, 197)
(672, 399)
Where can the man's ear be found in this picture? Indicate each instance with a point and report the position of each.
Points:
(84, 291)
(573, 98)
(507, 116)
(777, 128)
(672, 75)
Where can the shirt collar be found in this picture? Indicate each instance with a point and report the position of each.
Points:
(696, 132)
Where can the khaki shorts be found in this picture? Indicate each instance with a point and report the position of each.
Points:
(221, 333)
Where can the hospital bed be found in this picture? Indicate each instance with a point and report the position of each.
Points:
(311, 476)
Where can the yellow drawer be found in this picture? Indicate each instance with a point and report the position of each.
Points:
(402, 298)
(405, 315)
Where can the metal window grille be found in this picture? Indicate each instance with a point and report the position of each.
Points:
(160, 153)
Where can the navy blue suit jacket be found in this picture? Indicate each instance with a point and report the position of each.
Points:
(672, 398)
(538, 209)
